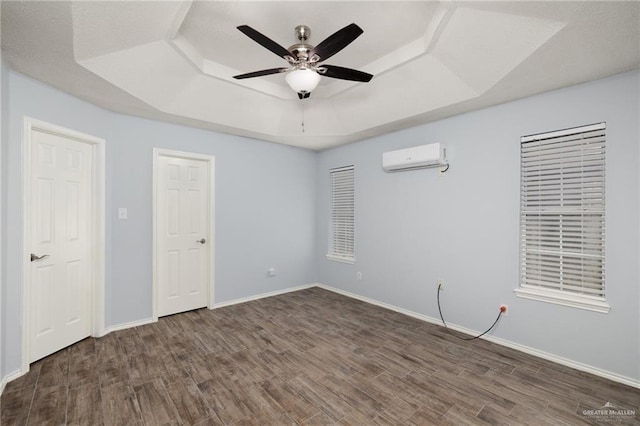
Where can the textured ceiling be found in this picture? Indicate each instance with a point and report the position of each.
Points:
(174, 61)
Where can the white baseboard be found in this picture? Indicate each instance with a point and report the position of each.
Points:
(125, 325)
(107, 330)
(263, 295)
(9, 377)
(145, 321)
(503, 342)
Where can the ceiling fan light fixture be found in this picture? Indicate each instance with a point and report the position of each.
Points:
(302, 80)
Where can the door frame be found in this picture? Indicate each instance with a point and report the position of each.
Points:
(96, 220)
(210, 159)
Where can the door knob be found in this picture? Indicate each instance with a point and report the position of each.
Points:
(35, 257)
(201, 241)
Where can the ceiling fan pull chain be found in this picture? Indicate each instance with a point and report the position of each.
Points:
(302, 124)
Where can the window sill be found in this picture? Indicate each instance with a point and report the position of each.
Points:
(350, 260)
(561, 298)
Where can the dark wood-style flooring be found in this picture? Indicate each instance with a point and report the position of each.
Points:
(308, 357)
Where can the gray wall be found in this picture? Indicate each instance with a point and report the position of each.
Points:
(411, 227)
(415, 227)
(265, 206)
(264, 215)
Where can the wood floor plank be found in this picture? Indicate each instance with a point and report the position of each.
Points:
(485, 395)
(278, 363)
(397, 412)
(264, 409)
(321, 397)
(83, 370)
(82, 403)
(353, 397)
(197, 366)
(171, 370)
(108, 347)
(438, 395)
(249, 366)
(525, 415)
(460, 416)
(391, 361)
(508, 387)
(156, 406)
(355, 418)
(120, 406)
(298, 408)
(561, 416)
(556, 393)
(307, 357)
(54, 370)
(49, 406)
(144, 368)
(450, 388)
(82, 349)
(15, 406)
(113, 372)
(394, 406)
(189, 402)
(425, 416)
(212, 421)
(225, 400)
(320, 419)
(131, 343)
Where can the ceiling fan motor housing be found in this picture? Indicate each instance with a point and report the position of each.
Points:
(300, 51)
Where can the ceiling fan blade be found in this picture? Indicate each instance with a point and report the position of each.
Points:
(260, 73)
(336, 42)
(344, 73)
(265, 41)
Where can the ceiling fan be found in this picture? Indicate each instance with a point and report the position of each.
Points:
(304, 71)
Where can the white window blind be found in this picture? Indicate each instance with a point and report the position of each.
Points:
(342, 214)
(562, 212)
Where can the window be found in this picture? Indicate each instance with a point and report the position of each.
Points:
(342, 215)
(562, 212)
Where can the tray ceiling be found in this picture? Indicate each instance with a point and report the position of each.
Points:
(174, 61)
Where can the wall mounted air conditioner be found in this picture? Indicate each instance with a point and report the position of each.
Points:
(417, 157)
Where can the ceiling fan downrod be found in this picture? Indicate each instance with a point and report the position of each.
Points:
(300, 51)
(302, 33)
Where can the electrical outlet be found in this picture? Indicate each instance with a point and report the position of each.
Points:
(359, 275)
(440, 284)
(504, 309)
(272, 272)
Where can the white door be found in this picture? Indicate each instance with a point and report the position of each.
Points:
(183, 244)
(61, 250)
